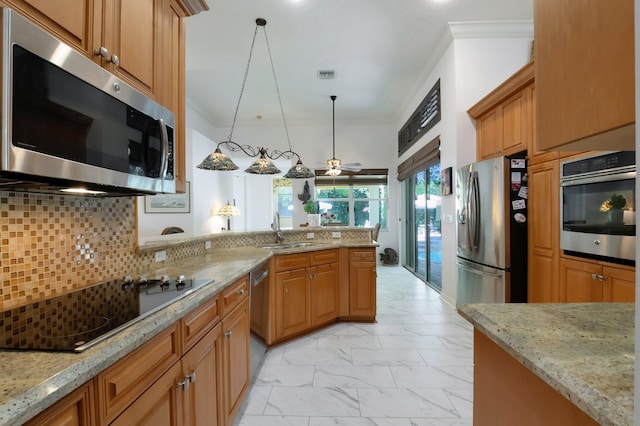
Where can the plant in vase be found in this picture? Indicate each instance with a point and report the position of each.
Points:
(327, 218)
(311, 208)
(614, 206)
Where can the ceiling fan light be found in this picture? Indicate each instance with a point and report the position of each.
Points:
(333, 172)
(217, 160)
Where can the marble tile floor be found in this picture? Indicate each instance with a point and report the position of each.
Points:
(414, 367)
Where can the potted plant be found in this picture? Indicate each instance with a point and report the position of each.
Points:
(311, 208)
(614, 206)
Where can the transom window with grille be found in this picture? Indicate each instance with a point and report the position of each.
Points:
(353, 198)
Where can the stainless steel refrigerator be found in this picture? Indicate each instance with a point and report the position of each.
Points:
(491, 210)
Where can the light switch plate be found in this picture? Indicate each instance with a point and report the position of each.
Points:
(336, 234)
(311, 235)
(161, 255)
(207, 245)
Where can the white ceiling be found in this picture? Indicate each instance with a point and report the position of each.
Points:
(379, 49)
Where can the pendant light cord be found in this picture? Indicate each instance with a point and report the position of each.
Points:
(333, 107)
(244, 80)
(273, 71)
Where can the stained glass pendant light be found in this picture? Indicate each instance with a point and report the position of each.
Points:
(263, 165)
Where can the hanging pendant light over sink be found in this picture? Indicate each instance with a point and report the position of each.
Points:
(263, 165)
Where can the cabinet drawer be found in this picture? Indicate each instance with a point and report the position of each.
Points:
(321, 257)
(234, 294)
(122, 383)
(362, 255)
(292, 261)
(198, 322)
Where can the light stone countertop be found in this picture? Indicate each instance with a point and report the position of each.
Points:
(583, 350)
(34, 380)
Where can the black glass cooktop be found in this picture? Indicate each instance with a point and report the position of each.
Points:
(80, 319)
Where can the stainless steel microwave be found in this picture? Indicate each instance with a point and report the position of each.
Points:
(69, 123)
(598, 206)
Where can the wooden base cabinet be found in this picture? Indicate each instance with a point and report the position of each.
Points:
(582, 281)
(76, 409)
(505, 392)
(362, 284)
(307, 296)
(235, 359)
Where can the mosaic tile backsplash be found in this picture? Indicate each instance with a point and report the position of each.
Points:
(53, 244)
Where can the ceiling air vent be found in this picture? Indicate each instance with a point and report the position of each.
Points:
(326, 75)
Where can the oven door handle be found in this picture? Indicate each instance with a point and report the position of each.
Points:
(598, 179)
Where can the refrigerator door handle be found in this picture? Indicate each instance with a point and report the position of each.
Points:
(474, 210)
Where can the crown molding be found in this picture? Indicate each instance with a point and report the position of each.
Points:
(492, 29)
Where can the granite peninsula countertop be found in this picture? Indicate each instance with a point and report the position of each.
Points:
(585, 351)
(32, 381)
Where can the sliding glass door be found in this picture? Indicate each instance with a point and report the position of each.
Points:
(423, 225)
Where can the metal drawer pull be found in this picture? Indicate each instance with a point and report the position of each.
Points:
(227, 333)
(241, 291)
(597, 277)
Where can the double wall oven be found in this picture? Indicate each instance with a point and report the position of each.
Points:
(598, 206)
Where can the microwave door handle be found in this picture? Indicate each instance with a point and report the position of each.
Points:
(165, 150)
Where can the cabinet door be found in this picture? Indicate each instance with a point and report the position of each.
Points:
(72, 21)
(160, 405)
(362, 290)
(76, 409)
(323, 282)
(124, 381)
(580, 281)
(202, 366)
(619, 284)
(544, 232)
(131, 31)
(235, 345)
(516, 122)
(173, 81)
(292, 303)
(489, 135)
(585, 82)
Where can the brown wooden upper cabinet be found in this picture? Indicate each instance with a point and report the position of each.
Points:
(504, 118)
(584, 68)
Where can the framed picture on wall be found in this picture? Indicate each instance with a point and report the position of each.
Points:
(445, 181)
(169, 203)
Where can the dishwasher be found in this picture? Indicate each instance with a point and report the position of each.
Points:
(259, 305)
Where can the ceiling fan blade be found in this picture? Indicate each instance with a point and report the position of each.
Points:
(351, 168)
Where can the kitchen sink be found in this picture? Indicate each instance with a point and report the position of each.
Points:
(283, 246)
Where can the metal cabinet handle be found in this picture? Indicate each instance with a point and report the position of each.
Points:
(598, 277)
(184, 385)
(241, 291)
(227, 333)
(191, 377)
(104, 52)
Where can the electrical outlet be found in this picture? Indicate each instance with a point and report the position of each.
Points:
(336, 234)
(311, 235)
(161, 255)
(207, 245)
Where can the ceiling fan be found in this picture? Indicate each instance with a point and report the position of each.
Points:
(334, 165)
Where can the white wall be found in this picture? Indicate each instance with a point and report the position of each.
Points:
(468, 69)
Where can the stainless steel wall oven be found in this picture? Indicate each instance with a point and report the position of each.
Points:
(598, 212)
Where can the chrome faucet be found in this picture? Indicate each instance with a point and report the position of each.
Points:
(276, 227)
